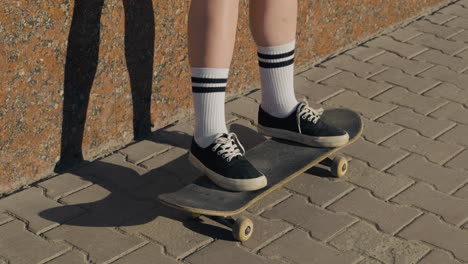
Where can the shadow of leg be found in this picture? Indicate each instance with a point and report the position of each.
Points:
(139, 53)
(80, 70)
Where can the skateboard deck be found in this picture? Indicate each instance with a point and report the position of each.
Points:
(279, 160)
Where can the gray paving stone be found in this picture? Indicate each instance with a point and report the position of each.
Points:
(462, 192)
(443, 179)
(315, 92)
(438, 256)
(403, 49)
(389, 217)
(377, 132)
(368, 108)
(446, 46)
(453, 210)
(317, 74)
(459, 22)
(455, 10)
(411, 67)
(412, 83)
(20, 246)
(269, 201)
(459, 162)
(177, 135)
(364, 53)
(382, 185)
(427, 126)
(450, 92)
(158, 162)
(296, 246)
(462, 36)
(457, 135)
(71, 257)
(322, 223)
(264, 231)
(244, 107)
(400, 96)
(463, 54)
(115, 170)
(363, 87)
(88, 233)
(41, 213)
(442, 73)
(431, 28)
(110, 206)
(63, 184)
(4, 218)
(142, 150)
(404, 34)
(347, 63)
(452, 111)
(434, 151)
(370, 261)
(171, 228)
(148, 254)
(226, 252)
(377, 156)
(440, 19)
(437, 57)
(365, 239)
(430, 229)
(319, 190)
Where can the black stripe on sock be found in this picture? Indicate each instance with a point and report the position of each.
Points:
(275, 56)
(208, 80)
(196, 89)
(275, 64)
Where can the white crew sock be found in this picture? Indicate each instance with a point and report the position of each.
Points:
(277, 79)
(208, 90)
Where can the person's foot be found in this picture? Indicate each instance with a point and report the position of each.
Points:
(224, 163)
(304, 126)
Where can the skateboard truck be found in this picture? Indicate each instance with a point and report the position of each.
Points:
(242, 228)
(338, 165)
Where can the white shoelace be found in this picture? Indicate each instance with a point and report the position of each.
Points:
(309, 113)
(228, 147)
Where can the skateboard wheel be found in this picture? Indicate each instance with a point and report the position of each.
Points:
(339, 166)
(242, 229)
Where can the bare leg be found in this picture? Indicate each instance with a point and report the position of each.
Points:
(273, 26)
(273, 22)
(212, 32)
(211, 36)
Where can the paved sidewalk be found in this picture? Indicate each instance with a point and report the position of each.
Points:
(404, 200)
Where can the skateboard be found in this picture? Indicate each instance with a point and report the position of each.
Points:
(279, 160)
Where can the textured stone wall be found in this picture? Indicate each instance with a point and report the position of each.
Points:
(78, 78)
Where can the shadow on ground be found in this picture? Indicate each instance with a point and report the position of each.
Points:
(122, 197)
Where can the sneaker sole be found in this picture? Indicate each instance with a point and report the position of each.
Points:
(326, 142)
(227, 183)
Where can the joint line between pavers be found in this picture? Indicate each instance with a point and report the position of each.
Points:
(455, 154)
(59, 254)
(338, 197)
(326, 77)
(375, 73)
(456, 189)
(126, 252)
(272, 205)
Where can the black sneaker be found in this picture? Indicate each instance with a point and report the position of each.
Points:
(304, 126)
(224, 163)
